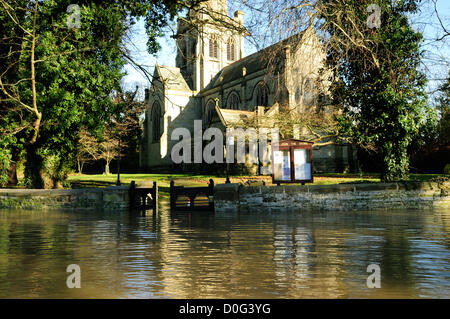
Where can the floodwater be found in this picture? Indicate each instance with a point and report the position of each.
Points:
(205, 255)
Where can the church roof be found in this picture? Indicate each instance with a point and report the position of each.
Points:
(230, 117)
(172, 78)
(233, 118)
(253, 63)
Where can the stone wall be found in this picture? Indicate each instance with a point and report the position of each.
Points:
(109, 198)
(342, 197)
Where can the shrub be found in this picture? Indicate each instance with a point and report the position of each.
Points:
(5, 161)
(447, 169)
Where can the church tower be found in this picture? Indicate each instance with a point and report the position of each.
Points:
(207, 41)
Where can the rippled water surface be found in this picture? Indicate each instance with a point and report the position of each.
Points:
(202, 255)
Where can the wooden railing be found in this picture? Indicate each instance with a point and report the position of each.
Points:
(143, 198)
(192, 198)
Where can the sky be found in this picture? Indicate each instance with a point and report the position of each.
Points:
(436, 62)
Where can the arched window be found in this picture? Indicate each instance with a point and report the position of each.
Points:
(233, 101)
(298, 95)
(183, 55)
(156, 122)
(214, 46)
(231, 51)
(261, 95)
(194, 49)
(308, 93)
(321, 100)
(209, 109)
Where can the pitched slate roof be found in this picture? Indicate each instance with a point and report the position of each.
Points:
(172, 78)
(252, 63)
(228, 117)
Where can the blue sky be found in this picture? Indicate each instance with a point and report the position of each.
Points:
(436, 64)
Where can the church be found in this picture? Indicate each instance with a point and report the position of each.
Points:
(215, 82)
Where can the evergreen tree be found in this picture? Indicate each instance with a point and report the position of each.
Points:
(444, 110)
(376, 60)
(58, 70)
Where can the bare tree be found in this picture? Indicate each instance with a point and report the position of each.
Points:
(27, 45)
(124, 128)
(109, 148)
(88, 149)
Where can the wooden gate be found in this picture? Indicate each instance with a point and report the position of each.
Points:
(192, 198)
(144, 198)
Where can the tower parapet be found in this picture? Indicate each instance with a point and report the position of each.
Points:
(239, 16)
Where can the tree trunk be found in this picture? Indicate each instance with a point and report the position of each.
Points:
(107, 168)
(58, 175)
(34, 168)
(80, 164)
(12, 174)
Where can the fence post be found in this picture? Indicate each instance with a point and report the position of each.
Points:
(211, 194)
(132, 195)
(155, 197)
(172, 195)
(211, 186)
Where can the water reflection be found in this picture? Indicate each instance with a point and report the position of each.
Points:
(201, 255)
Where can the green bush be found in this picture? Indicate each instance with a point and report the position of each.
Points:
(57, 168)
(447, 169)
(46, 169)
(5, 160)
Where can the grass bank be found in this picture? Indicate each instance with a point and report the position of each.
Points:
(163, 180)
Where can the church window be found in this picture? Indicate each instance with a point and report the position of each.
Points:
(194, 50)
(308, 93)
(209, 109)
(184, 55)
(320, 105)
(214, 47)
(231, 50)
(297, 95)
(233, 101)
(156, 122)
(261, 95)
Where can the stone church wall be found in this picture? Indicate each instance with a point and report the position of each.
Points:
(284, 68)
